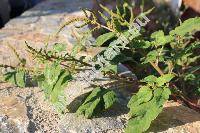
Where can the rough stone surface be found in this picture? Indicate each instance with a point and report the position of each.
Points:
(35, 25)
(26, 110)
(29, 112)
(177, 118)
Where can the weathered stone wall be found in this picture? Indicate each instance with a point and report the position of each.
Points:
(35, 26)
(25, 110)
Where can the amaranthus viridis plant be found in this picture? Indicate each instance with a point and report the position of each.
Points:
(164, 63)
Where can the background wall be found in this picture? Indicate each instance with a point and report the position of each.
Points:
(12, 8)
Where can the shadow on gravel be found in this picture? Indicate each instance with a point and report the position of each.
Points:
(76, 103)
(116, 110)
(171, 117)
(31, 126)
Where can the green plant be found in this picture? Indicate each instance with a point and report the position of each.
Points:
(146, 105)
(99, 99)
(53, 81)
(165, 64)
(16, 77)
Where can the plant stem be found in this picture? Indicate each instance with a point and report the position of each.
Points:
(13, 67)
(157, 68)
(105, 27)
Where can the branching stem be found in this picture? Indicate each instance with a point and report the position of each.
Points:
(157, 68)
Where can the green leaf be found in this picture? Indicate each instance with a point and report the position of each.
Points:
(140, 44)
(99, 100)
(16, 77)
(76, 49)
(145, 106)
(164, 79)
(59, 47)
(131, 34)
(104, 38)
(194, 69)
(52, 72)
(53, 82)
(110, 68)
(59, 86)
(153, 56)
(198, 90)
(189, 26)
(160, 38)
(109, 99)
(143, 96)
(189, 77)
(20, 79)
(149, 79)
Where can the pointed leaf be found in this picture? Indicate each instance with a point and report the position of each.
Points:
(104, 38)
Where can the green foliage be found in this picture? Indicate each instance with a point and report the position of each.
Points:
(153, 56)
(160, 38)
(164, 79)
(146, 105)
(110, 68)
(59, 47)
(54, 81)
(104, 38)
(99, 100)
(16, 77)
(160, 81)
(172, 56)
(187, 27)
